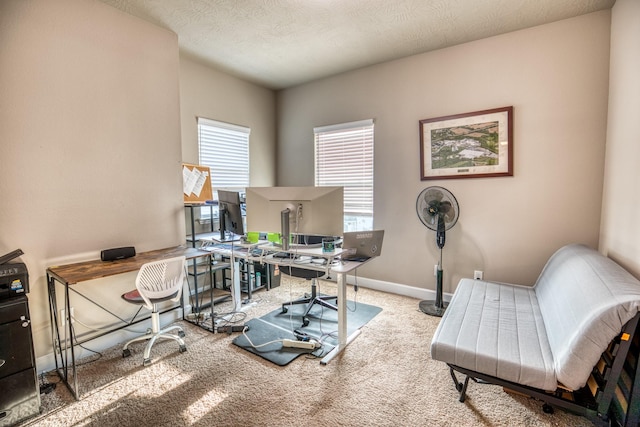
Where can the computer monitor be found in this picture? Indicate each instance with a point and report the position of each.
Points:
(304, 212)
(230, 215)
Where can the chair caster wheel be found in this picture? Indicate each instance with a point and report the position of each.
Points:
(146, 362)
(183, 348)
(126, 353)
(305, 321)
(547, 409)
(181, 334)
(285, 309)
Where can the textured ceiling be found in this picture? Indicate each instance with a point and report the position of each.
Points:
(283, 43)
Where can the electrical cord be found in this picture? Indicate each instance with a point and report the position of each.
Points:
(298, 334)
(257, 347)
(92, 328)
(221, 323)
(47, 387)
(333, 334)
(232, 317)
(92, 351)
(73, 334)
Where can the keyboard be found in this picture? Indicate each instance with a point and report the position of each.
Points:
(283, 255)
(356, 258)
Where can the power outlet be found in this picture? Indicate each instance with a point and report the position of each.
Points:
(300, 210)
(478, 275)
(63, 317)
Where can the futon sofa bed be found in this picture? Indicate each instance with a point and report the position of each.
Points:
(570, 340)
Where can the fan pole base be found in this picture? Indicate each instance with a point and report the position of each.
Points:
(429, 307)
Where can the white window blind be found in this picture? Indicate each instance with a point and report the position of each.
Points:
(344, 157)
(225, 149)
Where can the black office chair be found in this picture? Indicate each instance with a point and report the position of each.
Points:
(312, 299)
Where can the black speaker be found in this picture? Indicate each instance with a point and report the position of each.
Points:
(117, 253)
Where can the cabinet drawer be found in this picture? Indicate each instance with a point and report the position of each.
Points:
(20, 397)
(15, 342)
(15, 348)
(12, 309)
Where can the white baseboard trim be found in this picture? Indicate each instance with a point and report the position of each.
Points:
(397, 288)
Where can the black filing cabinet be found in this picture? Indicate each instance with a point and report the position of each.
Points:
(19, 391)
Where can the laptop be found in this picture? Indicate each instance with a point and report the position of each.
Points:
(362, 245)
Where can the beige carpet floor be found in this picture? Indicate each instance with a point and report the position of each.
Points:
(384, 378)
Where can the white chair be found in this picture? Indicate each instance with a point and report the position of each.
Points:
(157, 281)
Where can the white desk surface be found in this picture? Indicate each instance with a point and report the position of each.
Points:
(268, 249)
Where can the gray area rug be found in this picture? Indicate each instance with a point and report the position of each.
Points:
(271, 328)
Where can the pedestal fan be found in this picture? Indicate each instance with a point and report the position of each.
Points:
(438, 209)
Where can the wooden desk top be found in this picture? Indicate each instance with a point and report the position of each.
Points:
(70, 274)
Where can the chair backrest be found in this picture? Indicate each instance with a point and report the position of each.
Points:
(302, 273)
(161, 280)
(585, 299)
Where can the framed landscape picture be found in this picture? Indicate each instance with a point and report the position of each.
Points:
(470, 145)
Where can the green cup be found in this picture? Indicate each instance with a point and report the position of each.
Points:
(274, 238)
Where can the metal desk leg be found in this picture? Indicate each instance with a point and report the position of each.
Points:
(343, 340)
(65, 352)
(70, 330)
(236, 292)
(251, 278)
(53, 319)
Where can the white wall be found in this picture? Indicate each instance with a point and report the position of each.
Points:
(205, 92)
(556, 78)
(90, 138)
(620, 233)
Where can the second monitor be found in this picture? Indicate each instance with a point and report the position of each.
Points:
(230, 215)
(301, 211)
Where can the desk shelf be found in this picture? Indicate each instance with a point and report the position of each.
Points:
(200, 296)
(203, 268)
(198, 270)
(253, 277)
(193, 236)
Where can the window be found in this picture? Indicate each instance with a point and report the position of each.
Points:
(344, 157)
(225, 149)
